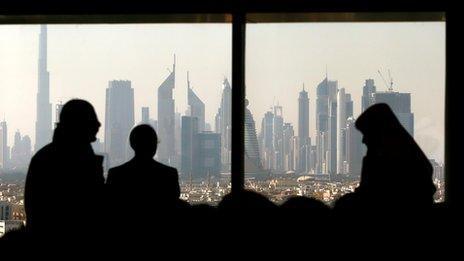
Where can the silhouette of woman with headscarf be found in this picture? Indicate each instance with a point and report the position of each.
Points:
(395, 172)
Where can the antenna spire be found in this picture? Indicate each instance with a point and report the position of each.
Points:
(188, 80)
(326, 72)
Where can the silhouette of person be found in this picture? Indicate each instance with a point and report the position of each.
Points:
(65, 178)
(395, 171)
(147, 181)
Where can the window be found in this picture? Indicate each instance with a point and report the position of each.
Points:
(318, 77)
(173, 76)
(281, 56)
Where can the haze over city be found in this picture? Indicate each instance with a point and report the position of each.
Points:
(280, 59)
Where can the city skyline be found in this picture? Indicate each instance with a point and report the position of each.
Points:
(288, 110)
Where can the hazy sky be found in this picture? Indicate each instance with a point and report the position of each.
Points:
(280, 58)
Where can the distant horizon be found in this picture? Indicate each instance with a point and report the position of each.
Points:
(280, 58)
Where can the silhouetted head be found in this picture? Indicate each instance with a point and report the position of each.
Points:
(78, 121)
(144, 141)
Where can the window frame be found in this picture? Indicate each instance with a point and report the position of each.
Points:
(239, 13)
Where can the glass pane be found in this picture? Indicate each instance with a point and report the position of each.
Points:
(307, 83)
(174, 77)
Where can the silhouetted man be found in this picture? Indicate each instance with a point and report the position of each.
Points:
(143, 182)
(65, 178)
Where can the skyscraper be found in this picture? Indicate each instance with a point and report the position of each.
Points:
(177, 136)
(119, 120)
(303, 129)
(267, 134)
(368, 94)
(43, 124)
(400, 103)
(145, 115)
(196, 106)
(189, 147)
(341, 125)
(287, 147)
(21, 151)
(331, 152)
(252, 160)
(348, 106)
(277, 125)
(344, 111)
(326, 96)
(4, 149)
(166, 119)
(224, 124)
(354, 148)
(209, 161)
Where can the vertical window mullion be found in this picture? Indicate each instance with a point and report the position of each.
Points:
(238, 101)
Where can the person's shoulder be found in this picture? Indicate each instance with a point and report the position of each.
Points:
(121, 168)
(164, 167)
(44, 152)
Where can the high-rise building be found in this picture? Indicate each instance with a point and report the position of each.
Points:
(296, 154)
(189, 147)
(223, 124)
(21, 151)
(312, 158)
(252, 159)
(369, 90)
(354, 148)
(196, 106)
(341, 125)
(4, 149)
(5, 211)
(326, 95)
(400, 103)
(277, 139)
(145, 115)
(43, 124)
(267, 134)
(348, 106)
(166, 119)
(344, 114)
(177, 134)
(287, 147)
(119, 120)
(303, 129)
(331, 152)
(209, 161)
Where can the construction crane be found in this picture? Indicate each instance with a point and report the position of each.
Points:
(388, 84)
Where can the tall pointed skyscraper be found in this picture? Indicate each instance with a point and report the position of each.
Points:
(224, 124)
(325, 118)
(197, 107)
(252, 159)
(166, 119)
(43, 124)
(303, 130)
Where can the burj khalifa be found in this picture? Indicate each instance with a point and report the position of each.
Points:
(43, 124)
